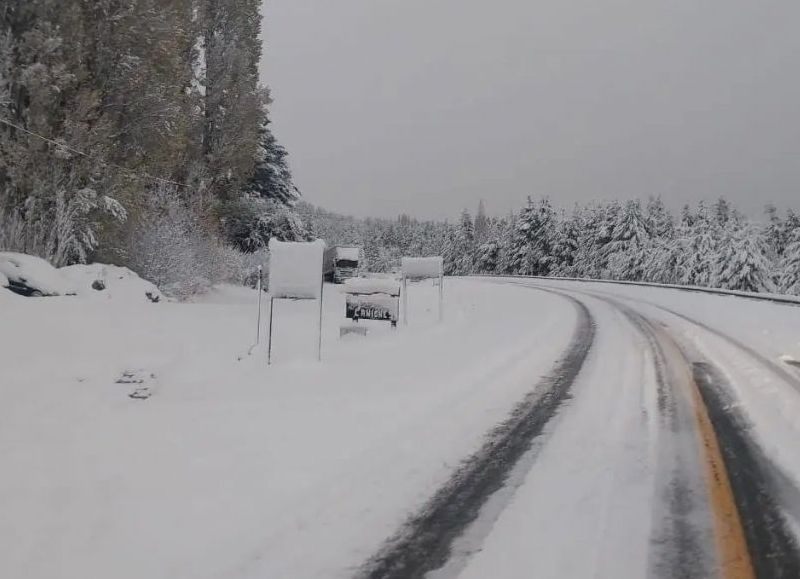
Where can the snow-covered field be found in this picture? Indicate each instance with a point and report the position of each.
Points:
(142, 439)
(225, 467)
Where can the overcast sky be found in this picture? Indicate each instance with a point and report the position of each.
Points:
(427, 106)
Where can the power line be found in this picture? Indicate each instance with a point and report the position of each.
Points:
(92, 157)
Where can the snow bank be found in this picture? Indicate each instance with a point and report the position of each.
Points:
(106, 282)
(33, 274)
(363, 285)
(295, 269)
(232, 468)
(421, 267)
(348, 253)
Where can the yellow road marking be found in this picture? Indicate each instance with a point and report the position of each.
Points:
(734, 556)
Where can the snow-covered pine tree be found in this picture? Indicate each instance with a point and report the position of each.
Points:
(789, 278)
(659, 220)
(697, 249)
(481, 224)
(272, 177)
(460, 254)
(743, 260)
(533, 238)
(625, 252)
(505, 241)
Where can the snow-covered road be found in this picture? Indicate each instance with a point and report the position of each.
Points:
(675, 458)
(546, 429)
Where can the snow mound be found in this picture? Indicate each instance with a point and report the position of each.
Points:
(3, 280)
(30, 275)
(109, 282)
(363, 285)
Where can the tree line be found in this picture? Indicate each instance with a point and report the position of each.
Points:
(136, 132)
(708, 245)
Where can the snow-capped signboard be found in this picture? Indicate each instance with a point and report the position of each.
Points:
(372, 299)
(295, 269)
(421, 268)
(295, 273)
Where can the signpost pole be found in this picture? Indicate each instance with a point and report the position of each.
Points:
(269, 346)
(319, 344)
(258, 323)
(441, 295)
(405, 300)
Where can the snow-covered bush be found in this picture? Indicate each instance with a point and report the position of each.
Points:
(171, 246)
(62, 228)
(250, 222)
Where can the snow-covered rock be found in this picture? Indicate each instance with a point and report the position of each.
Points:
(30, 275)
(3, 280)
(109, 282)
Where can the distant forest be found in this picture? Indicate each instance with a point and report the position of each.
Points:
(137, 133)
(708, 245)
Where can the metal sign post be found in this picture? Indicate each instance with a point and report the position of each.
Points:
(258, 323)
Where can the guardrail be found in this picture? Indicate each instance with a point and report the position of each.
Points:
(774, 298)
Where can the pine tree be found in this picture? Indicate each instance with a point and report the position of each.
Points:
(481, 224)
(533, 236)
(743, 260)
(790, 264)
(272, 178)
(698, 244)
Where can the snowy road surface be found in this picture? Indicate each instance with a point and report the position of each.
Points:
(545, 429)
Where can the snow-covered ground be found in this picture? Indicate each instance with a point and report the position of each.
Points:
(142, 439)
(223, 467)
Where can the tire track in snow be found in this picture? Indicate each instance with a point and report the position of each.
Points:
(752, 534)
(424, 542)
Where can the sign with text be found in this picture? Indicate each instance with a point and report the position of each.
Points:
(379, 307)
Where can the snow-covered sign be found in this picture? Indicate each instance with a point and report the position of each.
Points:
(295, 273)
(372, 299)
(295, 269)
(419, 268)
(372, 285)
(422, 267)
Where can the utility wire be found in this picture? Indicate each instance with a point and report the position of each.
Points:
(92, 157)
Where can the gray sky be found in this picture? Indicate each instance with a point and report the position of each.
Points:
(426, 106)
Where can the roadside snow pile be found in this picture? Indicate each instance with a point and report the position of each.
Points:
(28, 275)
(32, 276)
(371, 285)
(102, 281)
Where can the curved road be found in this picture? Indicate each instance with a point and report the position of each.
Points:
(632, 458)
